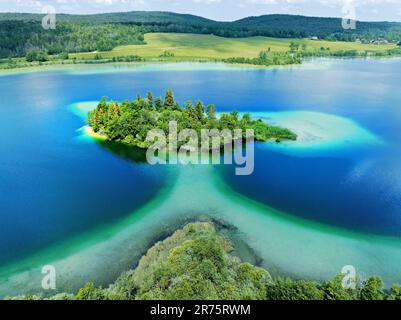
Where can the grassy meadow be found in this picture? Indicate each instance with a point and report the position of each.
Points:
(195, 46)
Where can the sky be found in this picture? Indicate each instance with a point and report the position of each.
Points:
(223, 10)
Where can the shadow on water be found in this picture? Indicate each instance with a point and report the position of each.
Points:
(124, 151)
(138, 156)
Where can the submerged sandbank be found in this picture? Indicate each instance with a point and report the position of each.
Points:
(287, 244)
(319, 132)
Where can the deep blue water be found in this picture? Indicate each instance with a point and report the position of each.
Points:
(53, 185)
(359, 189)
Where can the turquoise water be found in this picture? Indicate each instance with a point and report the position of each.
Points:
(91, 209)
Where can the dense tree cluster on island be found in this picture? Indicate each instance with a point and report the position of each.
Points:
(130, 121)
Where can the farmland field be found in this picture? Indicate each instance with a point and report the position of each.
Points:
(195, 46)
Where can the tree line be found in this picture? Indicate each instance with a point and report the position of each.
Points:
(298, 50)
(268, 58)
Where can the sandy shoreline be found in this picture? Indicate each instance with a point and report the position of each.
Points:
(69, 66)
(59, 66)
(91, 133)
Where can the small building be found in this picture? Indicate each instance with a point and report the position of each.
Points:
(379, 41)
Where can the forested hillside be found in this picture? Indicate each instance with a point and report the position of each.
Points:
(17, 38)
(22, 33)
(140, 17)
(325, 28)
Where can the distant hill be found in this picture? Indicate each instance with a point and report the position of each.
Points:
(312, 26)
(22, 32)
(282, 24)
(137, 17)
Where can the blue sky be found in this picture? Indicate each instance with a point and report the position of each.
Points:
(217, 9)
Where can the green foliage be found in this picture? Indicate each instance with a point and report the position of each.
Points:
(11, 63)
(24, 298)
(167, 54)
(17, 38)
(298, 51)
(267, 58)
(294, 46)
(169, 102)
(395, 293)
(372, 289)
(264, 132)
(129, 58)
(63, 56)
(326, 52)
(39, 56)
(334, 290)
(287, 26)
(159, 103)
(195, 263)
(198, 268)
(150, 100)
(275, 25)
(211, 112)
(287, 289)
(130, 122)
(21, 33)
(90, 292)
(124, 288)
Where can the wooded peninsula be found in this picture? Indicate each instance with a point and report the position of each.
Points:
(196, 263)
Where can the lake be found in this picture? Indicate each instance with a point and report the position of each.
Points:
(311, 207)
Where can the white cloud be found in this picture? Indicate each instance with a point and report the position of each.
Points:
(207, 1)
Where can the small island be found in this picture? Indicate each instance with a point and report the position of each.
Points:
(130, 121)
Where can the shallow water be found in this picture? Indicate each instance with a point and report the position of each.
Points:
(317, 205)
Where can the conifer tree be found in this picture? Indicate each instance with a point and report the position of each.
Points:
(169, 102)
(159, 103)
(200, 110)
(99, 118)
(191, 111)
(211, 111)
(113, 111)
(150, 99)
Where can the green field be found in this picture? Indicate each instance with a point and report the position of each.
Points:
(194, 46)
